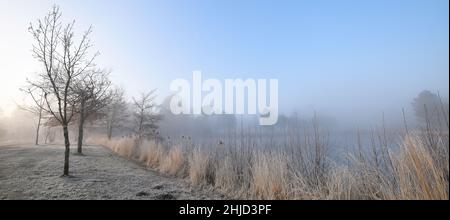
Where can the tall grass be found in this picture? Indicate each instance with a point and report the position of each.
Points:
(174, 163)
(201, 170)
(417, 168)
(270, 176)
(418, 173)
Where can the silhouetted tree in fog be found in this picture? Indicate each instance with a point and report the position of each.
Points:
(430, 109)
(116, 111)
(145, 116)
(2, 131)
(93, 94)
(36, 110)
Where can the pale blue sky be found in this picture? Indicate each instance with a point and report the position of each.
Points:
(344, 57)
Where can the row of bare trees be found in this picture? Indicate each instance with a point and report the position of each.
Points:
(64, 62)
(72, 89)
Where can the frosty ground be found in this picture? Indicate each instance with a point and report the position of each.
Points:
(33, 172)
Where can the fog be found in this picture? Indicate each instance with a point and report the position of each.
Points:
(351, 69)
(254, 99)
(341, 129)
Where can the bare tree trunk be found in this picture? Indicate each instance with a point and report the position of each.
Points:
(67, 150)
(38, 126)
(81, 129)
(109, 131)
(109, 127)
(80, 136)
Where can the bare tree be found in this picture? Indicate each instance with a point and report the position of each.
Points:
(2, 131)
(426, 107)
(37, 111)
(145, 116)
(116, 111)
(49, 133)
(93, 93)
(63, 62)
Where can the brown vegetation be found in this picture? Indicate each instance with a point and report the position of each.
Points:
(415, 170)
